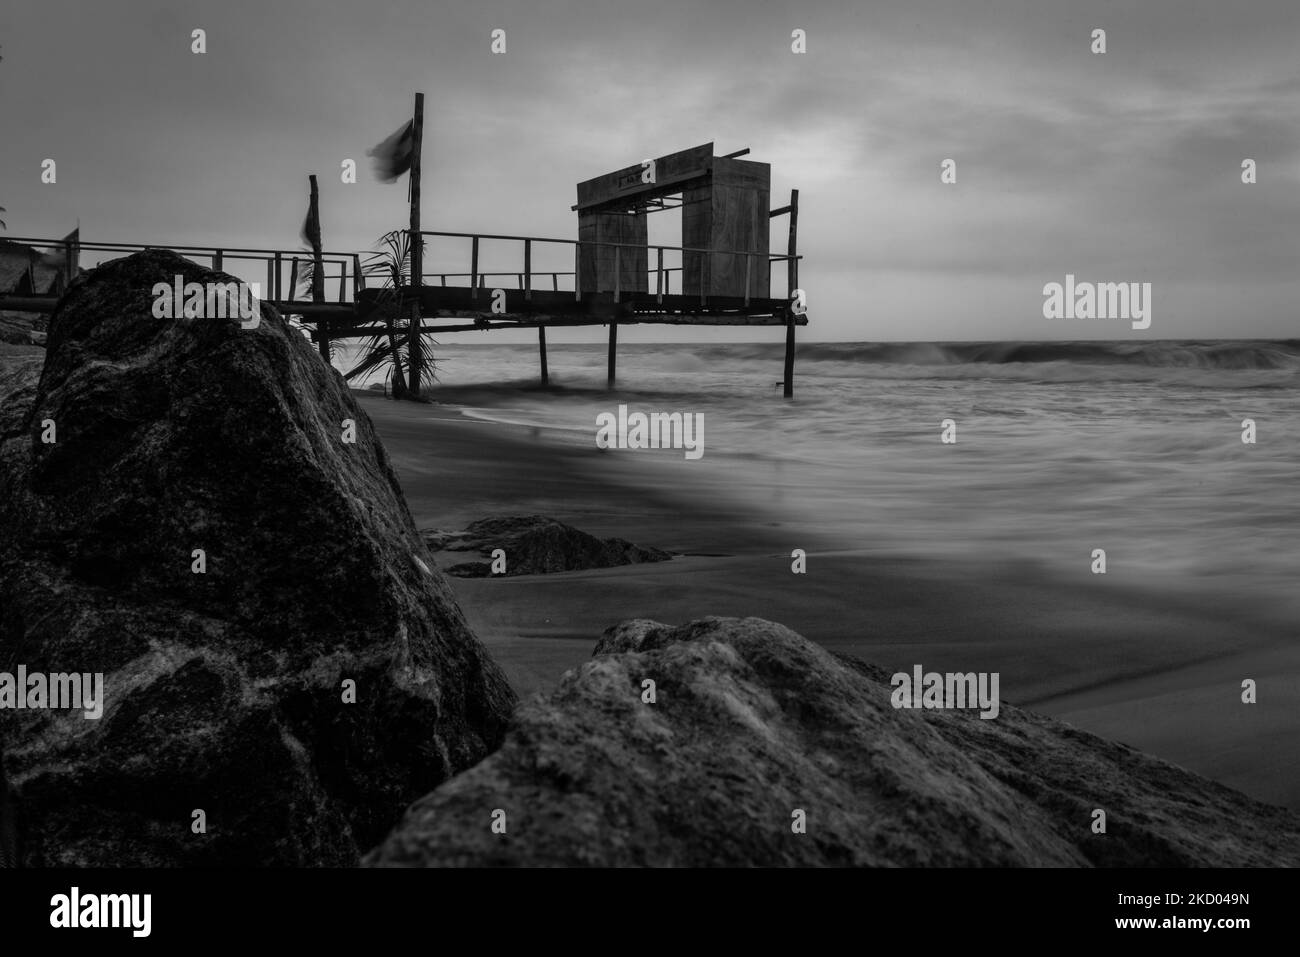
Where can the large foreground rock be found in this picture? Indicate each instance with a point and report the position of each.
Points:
(753, 723)
(225, 689)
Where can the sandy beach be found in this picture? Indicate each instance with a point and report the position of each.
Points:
(1136, 666)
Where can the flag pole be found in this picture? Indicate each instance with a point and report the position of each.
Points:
(417, 253)
(317, 266)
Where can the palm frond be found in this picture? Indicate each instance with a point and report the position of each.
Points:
(386, 268)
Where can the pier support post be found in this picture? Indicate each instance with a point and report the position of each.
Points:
(613, 348)
(789, 357)
(792, 273)
(541, 350)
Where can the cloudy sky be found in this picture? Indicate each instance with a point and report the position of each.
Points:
(1117, 167)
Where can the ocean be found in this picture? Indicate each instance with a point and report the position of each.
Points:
(1061, 447)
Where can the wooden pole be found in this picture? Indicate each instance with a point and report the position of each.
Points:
(792, 274)
(315, 237)
(792, 248)
(527, 281)
(317, 267)
(541, 348)
(414, 361)
(473, 269)
(613, 346)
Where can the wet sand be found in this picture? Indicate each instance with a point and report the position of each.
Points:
(1159, 671)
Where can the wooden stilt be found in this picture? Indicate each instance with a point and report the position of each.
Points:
(541, 350)
(789, 357)
(792, 272)
(613, 349)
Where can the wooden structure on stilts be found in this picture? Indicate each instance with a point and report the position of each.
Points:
(722, 276)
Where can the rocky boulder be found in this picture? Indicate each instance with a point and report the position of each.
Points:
(753, 729)
(202, 532)
(8, 820)
(536, 545)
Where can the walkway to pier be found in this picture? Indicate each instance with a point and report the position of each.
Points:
(350, 305)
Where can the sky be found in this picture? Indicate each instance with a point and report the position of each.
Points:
(1116, 167)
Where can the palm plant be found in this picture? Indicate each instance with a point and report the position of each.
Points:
(387, 349)
(2, 222)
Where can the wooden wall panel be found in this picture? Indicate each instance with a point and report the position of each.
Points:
(697, 233)
(626, 183)
(597, 262)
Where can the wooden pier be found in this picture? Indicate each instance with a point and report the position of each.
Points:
(722, 275)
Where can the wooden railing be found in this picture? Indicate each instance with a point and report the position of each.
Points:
(662, 273)
(343, 269)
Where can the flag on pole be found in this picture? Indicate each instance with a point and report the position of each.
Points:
(394, 156)
(310, 232)
(55, 255)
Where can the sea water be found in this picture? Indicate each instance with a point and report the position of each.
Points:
(1061, 448)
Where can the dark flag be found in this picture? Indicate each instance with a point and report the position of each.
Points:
(394, 156)
(313, 274)
(57, 257)
(310, 232)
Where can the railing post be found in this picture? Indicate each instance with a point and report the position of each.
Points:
(358, 277)
(618, 274)
(293, 279)
(528, 269)
(555, 282)
(278, 296)
(659, 277)
(749, 263)
(577, 272)
(216, 261)
(270, 278)
(473, 269)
